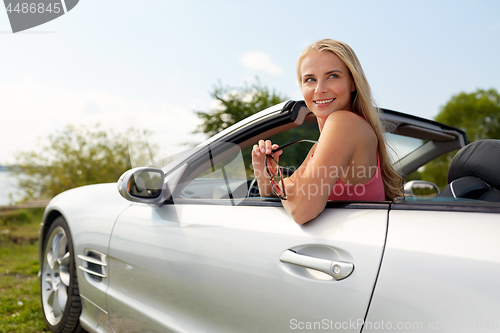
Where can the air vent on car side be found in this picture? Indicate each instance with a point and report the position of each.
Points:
(94, 264)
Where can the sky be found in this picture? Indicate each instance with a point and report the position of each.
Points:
(125, 63)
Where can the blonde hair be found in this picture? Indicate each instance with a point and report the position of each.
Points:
(362, 104)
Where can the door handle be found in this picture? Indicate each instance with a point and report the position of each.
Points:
(337, 269)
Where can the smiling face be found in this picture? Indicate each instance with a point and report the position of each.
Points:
(326, 83)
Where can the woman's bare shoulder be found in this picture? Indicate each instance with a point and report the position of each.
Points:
(344, 114)
(349, 124)
(346, 120)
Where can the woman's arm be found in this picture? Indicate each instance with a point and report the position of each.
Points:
(345, 135)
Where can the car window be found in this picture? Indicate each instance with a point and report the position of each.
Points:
(222, 176)
(231, 177)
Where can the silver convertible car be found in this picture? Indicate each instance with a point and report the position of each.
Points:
(187, 244)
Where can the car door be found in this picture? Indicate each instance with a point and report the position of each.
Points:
(213, 260)
(215, 267)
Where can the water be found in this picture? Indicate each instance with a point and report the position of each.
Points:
(8, 184)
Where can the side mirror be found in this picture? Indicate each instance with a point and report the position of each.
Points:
(421, 187)
(145, 185)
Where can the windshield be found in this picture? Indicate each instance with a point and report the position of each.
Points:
(399, 146)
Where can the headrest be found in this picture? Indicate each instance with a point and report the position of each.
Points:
(480, 159)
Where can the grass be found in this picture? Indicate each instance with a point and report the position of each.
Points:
(20, 307)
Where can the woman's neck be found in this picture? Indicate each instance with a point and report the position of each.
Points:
(321, 123)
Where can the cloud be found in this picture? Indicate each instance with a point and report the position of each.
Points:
(260, 61)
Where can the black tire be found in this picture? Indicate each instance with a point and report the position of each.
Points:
(58, 283)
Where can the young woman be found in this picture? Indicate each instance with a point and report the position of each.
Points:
(350, 162)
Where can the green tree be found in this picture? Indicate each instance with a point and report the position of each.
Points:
(236, 103)
(73, 157)
(477, 114)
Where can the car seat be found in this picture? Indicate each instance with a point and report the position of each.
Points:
(475, 172)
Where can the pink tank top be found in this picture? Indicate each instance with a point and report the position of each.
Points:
(373, 190)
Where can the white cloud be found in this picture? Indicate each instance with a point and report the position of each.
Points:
(32, 109)
(260, 61)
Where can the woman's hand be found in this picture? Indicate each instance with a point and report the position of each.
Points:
(259, 152)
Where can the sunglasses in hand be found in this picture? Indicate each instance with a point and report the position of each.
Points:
(275, 172)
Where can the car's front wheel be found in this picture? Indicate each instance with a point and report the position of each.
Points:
(58, 283)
